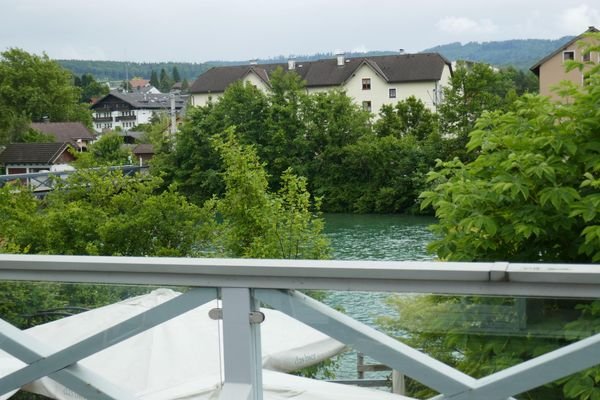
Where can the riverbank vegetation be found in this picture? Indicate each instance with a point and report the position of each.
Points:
(354, 161)
(527, 192)
(102, 212)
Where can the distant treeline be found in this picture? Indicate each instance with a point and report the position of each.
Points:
(119, 70)
(521, 54)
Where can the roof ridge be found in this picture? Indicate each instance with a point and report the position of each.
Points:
(561, 48)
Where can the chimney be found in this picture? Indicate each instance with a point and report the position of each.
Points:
(291, 64)
(340, 59)
(254, 61)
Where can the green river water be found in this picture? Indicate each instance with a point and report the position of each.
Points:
(372, 237)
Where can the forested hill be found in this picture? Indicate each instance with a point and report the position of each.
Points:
(118, 70)
(521, 54)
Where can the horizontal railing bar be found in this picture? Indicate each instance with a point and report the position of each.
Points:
(372, 368)
(535, 280)
(363, 382)
(33, 175)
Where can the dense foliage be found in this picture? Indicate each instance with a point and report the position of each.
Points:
(90, 88)
(105, 152)
(34, 88)
(102, 212)
(530, 194)
(355, 162)
(258, 223)
(118, 70)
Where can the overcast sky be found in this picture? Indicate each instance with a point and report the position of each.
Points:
(203, 30)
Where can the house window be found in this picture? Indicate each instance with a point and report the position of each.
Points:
(366, 84)
(587, 57)
(568, 55)
(366, 105)
(392, 93)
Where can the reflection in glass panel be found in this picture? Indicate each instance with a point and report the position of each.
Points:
(482, 335)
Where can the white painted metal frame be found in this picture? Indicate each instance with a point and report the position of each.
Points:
(62, 365)
(244, 282)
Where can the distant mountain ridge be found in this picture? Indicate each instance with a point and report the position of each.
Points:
(520, 53)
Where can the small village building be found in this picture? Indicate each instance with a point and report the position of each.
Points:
(143, 153)
(128, 110)
(25, 158)
(74, 133)
(370, 81)
(551, 69)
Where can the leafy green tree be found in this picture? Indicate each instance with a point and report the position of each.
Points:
(523, 81)
(191, 161)
(185, 85)
(165, 82)
(102, 212)
(285, 146)
(90, 88)
(474, 88)
(33, 136)
(258, 223)
(325, 137)
(106, 151)
(33, 88)
(175, 74)
(518, 199)
(99, 213)
(154, 79)
(375, 175)
(407, 117)
(530, 194)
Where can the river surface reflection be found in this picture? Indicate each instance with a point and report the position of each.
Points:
(372, 237)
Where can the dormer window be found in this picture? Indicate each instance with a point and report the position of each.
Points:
(366, 84)
(568, 55)
(587, 57)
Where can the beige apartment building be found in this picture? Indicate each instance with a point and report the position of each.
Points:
(370, 81)
(551, 69)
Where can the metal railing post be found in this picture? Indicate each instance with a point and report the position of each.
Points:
(241, 346)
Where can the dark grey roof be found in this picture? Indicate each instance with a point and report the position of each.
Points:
(394, 69)
(64, 131)
(32, 153)
(145, 100)
(536, 68)
(143, 148)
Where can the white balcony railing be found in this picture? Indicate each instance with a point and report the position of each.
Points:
(241, 284)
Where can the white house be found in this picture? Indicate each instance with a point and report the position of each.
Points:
(370, 81)
(127, 110)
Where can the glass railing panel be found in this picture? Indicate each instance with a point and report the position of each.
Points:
(477, 335)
